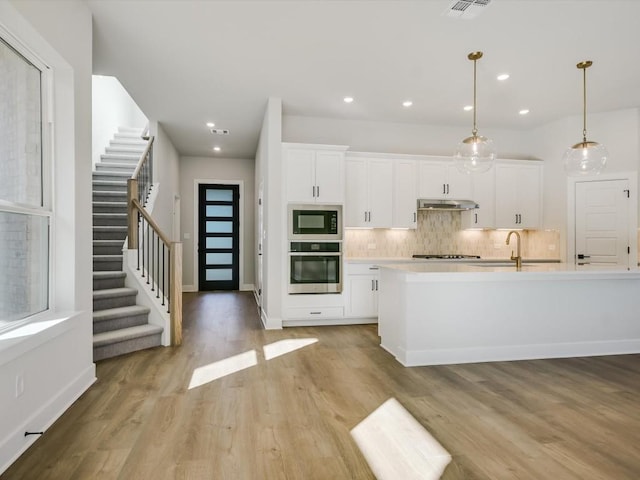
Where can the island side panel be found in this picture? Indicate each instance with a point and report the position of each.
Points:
(392, 312)
(474, 321)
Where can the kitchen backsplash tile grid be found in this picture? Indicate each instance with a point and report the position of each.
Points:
(440, 232)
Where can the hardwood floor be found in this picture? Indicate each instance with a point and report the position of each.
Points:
(289, 417)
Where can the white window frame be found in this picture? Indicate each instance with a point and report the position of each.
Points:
(47, 207)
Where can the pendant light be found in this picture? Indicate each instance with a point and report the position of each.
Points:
(585, 158)
(475, 154)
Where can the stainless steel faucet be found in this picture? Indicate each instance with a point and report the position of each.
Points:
(518, 257)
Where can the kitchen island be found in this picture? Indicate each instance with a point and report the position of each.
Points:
(432, 314)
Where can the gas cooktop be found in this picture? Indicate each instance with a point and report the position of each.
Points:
(446, 257)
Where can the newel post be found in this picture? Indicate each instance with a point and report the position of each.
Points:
(175, 298)
(132, 214)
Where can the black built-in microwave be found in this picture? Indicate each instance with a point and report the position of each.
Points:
(315, 222)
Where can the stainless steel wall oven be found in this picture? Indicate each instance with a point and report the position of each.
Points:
(315, 267)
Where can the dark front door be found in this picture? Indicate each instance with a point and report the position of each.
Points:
(219, 239)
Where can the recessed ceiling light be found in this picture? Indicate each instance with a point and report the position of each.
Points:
(524, 111)
(211, 124)
(407, 103)
(216, 149)
(348, 99)
(468, 108)
(503, 76)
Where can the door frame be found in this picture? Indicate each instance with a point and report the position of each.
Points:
(196, 226)
(632, 178)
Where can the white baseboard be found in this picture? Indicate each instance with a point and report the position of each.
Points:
(245, 287)
(315, 322)
(411, 358)
(15, 443)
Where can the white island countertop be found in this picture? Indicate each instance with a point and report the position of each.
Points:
(454, 271)
(447, 313)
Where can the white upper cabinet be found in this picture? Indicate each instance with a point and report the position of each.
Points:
(442, 179)
(484, 194)
(314, 173)
(369, 193)
(405, 194)
(519, 195)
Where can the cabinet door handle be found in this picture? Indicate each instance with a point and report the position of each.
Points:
(313, 192)
(372, 285)
(444, 188)
(317, 191)
(414, 217)
(447, 189)
(516, 218)
(376, 285)
(476, 221)
(315, 313)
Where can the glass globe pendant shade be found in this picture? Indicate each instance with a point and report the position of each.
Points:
(585, 158)
(475, 154)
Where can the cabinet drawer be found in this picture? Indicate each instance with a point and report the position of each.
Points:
(308, 313)
(362, 269)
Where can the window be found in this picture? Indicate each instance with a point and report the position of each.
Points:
(25, 210)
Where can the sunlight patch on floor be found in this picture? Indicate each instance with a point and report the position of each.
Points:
(396, 446)
(283, 347)
(222, 368)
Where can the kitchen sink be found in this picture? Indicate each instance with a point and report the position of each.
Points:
(502, 264)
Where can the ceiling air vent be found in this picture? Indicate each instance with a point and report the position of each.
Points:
(466, 9)
(220, 131)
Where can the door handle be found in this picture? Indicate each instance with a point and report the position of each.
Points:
(317, 191)
(582, 256)
(447, 189)
(414, 217)
(476, 218)
(376, 285)
(373, 285)
(444, 188)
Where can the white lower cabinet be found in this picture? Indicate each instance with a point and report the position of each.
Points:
(361, 289)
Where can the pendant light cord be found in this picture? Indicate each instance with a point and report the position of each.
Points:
(475, 129)
(584, 105)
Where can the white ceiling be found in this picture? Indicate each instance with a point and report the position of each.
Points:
(186, 62)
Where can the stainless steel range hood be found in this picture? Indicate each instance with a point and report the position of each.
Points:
(438, 204)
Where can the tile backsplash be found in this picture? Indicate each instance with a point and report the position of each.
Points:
(440, 232)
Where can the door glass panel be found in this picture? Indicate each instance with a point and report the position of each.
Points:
(219, 211)
(219, 242)
(219, 274)
(219, 227)
(219, 258)
(219, 195)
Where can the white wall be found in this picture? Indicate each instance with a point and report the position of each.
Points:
(195, 170)
(385, 137)
(166, 178)
(56, 362)
(112, 107)
(618, 130)
(269, 175)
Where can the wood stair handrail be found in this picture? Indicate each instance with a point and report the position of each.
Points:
(143, 158)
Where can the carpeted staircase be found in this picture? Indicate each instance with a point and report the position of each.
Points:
(119, 325)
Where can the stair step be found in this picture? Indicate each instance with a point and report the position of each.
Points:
(110, 185)
(114, 298)
(126, 340)
(111, 176)
(109, 207)
(132, 141)
(124, 149)
(108, 247)
(115, 167)
(109, 232)
(103, 219)
(126, 158)
(103, 263)
(108, 280)
(119, 318)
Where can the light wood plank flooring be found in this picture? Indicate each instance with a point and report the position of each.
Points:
(290, 417)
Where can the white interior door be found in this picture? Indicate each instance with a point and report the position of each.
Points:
(602, 223)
